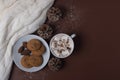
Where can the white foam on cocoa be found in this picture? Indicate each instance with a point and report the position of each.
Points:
(62, 45)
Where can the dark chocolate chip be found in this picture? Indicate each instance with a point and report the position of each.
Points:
(26, 52)
(25, 44)
(21, 49)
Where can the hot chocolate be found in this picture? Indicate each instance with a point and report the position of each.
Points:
(61, 45)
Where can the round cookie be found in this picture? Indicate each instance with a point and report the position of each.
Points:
(25, 62)
(35, 60)
(39, 52)
(34, 44)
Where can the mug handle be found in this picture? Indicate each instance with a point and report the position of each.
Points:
(73, 36)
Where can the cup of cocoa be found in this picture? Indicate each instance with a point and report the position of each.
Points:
(62, 45)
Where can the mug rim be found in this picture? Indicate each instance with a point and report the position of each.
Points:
(65, 35)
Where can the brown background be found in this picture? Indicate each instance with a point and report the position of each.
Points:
(97, 54)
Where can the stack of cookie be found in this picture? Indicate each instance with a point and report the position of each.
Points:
(33, 56)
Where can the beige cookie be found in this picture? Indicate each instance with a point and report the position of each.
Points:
(34, 44)
(35, 60)
(39, 52)
(25, 62)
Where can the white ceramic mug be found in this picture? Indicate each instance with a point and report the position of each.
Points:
(59, 37)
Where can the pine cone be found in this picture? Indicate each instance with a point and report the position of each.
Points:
(55, 64)
(45, 31)
(54, 14)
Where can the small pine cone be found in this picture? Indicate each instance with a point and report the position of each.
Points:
(54, 14)
(55, 64)
(45, 31)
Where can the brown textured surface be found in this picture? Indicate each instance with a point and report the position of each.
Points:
(97, 51)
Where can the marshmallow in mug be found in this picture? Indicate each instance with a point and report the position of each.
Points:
(61, 45)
